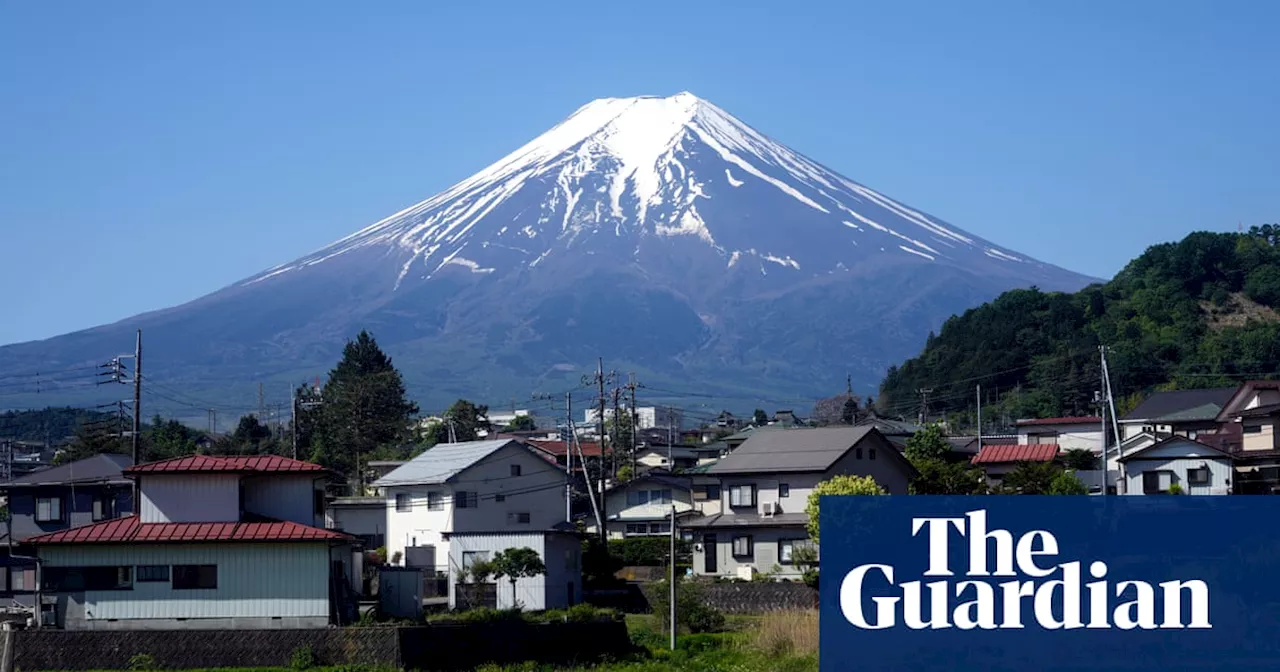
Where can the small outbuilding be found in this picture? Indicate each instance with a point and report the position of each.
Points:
(560, 550)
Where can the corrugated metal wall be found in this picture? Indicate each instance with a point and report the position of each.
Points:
(190, 498)
(282, 496)
(254, 580)
(530, 592)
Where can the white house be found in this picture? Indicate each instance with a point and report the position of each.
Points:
(765, 485)
(218, 542)
(560, 550)
(1196, 468)
(642, 507)
(1066, 433)
(475, 486)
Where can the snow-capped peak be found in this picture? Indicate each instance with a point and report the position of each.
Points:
(637, 166)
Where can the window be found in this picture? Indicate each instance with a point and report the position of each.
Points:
(742, 547)
(518, 518)
(149, 573)
(637, 528)
(788, 547)
(857, 453)
(515, 470)
(784, 491)
(463, 499)
(470, 558)
(435, 501)
(317, 502)
(713, 492)
(499, 497)
(1198, 476)
(1253, 429)
(17, 579)
(48, 509)
(643, 497)
(659, 528)
(871, 453)
(404, 503)
(78, 579)
(742, 495)
(195, 577)
(103, 507)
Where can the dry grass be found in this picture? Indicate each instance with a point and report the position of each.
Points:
(785, 633)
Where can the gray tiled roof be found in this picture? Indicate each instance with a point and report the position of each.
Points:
(1161, 404)
(797, 450)
(442, 462)
(99, 468)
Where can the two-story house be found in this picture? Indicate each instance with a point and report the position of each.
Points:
(641, 507)
(217, 542)
(1252, 413)
(1181, 412)
(474, 486)
(78, 493)
(765, 485)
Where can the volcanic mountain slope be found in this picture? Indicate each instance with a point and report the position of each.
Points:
(661, 233)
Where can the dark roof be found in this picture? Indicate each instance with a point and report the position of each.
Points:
(722, 521)
(657, 477)
(1172, 439)
(102, 468)
(562, 527)
(128, 530)
(238, 464)
(889, 425)
(797, 450)
(1259, 411)
(1247, 388)
(1018, 452)
(1087, 420)
(1201, 413)
(1160, 404)
(702, 468)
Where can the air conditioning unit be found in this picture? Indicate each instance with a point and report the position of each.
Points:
(770, 508)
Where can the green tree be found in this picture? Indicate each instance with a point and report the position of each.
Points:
(850, 413)
(522, 423)
(927, 444)
(1066, 483)
(838, 485)
(463, 418)
(515, 564)
(95, 437)
(759, 418)
(250, 437)
(939, 477)
(693, 614)
(169, 438)
(1031, 478)
(1080, 459)
(364, 407)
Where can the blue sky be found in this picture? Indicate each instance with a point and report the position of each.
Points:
(154, 152)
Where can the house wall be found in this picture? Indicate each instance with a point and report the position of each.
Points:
(283, 496)
(1220, 474)
(77, 511)
(1264, 438)
(257, 583)
(562, 555)
(708, 506)
(538, 491)
(765, 556)
(361, 521)
(190, 498)
(1069, 437)
(616, 506)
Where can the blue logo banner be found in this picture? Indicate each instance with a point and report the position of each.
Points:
(1050, 583)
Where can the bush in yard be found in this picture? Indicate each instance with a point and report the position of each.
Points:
(514, 564)
(692, 612)
(646, 551)
(302, 658)
(838, 485)
(142, 662)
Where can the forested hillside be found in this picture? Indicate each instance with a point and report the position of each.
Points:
(52, 425)
(1200, 312)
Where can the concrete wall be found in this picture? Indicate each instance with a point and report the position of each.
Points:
(539, 490)
(255, 581)
(77, 511)
(190, 498)
(283, 496)
(756, 598)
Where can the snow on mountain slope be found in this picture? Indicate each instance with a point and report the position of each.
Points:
(674, 167)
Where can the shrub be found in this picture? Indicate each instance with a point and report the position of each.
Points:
(692, 612)
(142, 661)
(1175, 489)
(302, 658)
(646, 551)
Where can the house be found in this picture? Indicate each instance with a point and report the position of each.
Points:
(968, 445)
(647, 417)
(485, 486)
(997, 460)
(559, 548)
(1067, 433)
(81, 492)
(642, 507)
(1182, 412)
(362, 517)
(1196, 468)
(765, 485)
(1253, 411)
(650, 456)
(217, 542)
(563, 452)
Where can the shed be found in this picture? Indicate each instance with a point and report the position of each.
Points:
(560, 550)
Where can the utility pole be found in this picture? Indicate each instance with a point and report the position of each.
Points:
(672, 598)
(617, 423)
(261, 410)
(1111, 402)
(1102, 412)
(137, 413)
(568, 460)
(924, 403)
(979, 418)
(599, 380)
(293, 419)
(635, 419)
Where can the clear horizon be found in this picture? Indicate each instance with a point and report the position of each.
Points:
(174, 150)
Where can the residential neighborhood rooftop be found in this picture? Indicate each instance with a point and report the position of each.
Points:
(101, 468)
(131, 531)
(799, 450)
(226, 464)
(1161, 404)
(442, 462)
(1026, 452)
(1085, 420)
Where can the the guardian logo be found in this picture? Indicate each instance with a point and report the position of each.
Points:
(1053, 602)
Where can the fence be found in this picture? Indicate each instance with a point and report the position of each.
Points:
(453, 646)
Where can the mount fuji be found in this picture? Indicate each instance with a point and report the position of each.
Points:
(661, 233)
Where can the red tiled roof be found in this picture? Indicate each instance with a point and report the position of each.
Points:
(1027, 452)
(128, 530)
(1088, 420)
(226, 463)
(558, 448)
